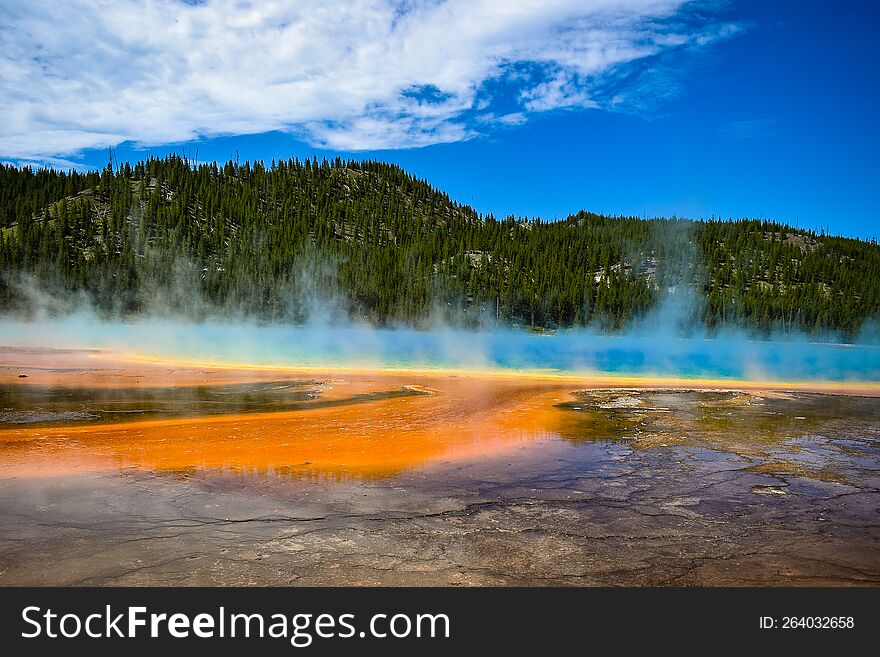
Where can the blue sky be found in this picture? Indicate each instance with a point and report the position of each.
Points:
(663, 107)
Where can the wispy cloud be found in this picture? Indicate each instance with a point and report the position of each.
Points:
(342, 74)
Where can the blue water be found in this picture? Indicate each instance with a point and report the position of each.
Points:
(567, 352)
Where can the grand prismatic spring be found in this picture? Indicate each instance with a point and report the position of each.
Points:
(157, 453)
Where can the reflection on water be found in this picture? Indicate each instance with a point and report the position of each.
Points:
(360, 426)
(812, 435)
(375, 426)
(432, 479)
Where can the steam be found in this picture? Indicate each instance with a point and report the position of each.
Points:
(364, 347)
(319, 329)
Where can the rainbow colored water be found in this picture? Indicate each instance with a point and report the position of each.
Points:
(575, 352)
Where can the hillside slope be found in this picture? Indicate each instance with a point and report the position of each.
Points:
(368, 240)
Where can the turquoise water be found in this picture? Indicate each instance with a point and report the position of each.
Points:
(574, 352)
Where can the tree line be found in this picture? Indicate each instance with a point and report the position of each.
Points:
(365, 239)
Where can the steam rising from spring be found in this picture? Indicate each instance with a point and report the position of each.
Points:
(319, 331)
(644, 353)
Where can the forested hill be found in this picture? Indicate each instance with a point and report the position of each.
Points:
(368, 240)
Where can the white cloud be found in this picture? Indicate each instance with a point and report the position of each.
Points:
(345, 75)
